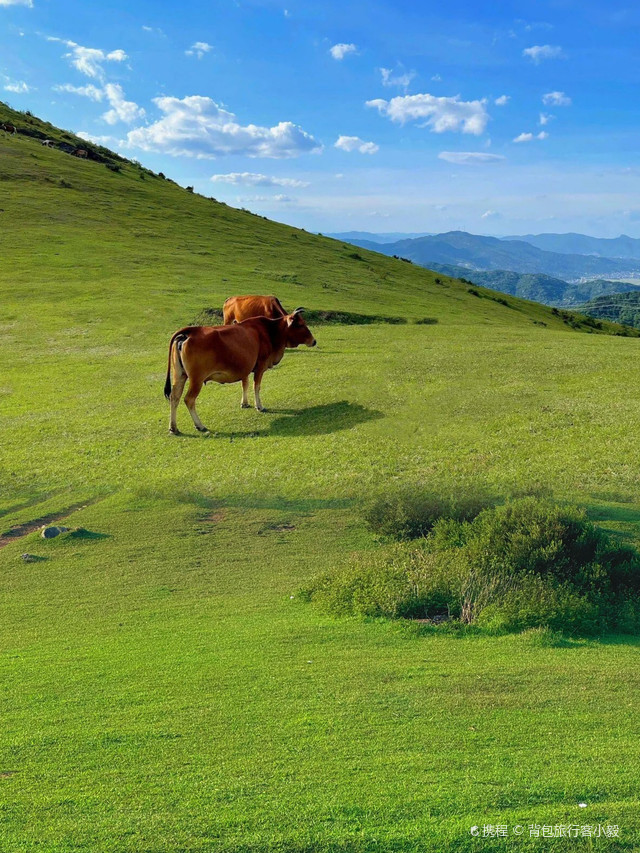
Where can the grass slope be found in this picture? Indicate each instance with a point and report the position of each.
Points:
(619, 307)
(162, 691)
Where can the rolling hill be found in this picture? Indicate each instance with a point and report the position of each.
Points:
(581, 244)
(617, 307)
(165, 687)
(477, 252)
(540, 288)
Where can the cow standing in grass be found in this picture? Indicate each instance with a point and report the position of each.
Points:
(239, 308)
(9, 128)
(229, 354)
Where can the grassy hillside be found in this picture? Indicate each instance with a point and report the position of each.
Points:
(536, 286)
(164, 689)
(619, 307)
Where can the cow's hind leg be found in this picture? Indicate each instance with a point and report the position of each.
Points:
(245, 404)
(257, 382)
(190, 401)
(176, 393)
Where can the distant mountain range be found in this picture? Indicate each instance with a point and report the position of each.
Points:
(391, 237)
(537, 286)
(476, 252)
(619, 307)
(581, 244)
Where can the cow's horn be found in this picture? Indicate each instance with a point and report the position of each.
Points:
(297, 310)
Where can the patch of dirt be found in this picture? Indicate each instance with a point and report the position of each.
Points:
(276, 528)
(20, 530)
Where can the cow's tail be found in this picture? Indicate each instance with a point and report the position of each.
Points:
(177, 340)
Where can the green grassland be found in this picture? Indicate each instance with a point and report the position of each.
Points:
(164, 688)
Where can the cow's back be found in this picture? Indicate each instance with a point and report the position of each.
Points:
(239, 308)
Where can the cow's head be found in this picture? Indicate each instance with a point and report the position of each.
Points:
(297, 330)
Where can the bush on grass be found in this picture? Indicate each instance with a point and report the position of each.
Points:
(528, 564)
(410, 512)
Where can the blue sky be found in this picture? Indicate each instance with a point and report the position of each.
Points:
(406, 116)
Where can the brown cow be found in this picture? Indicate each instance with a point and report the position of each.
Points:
(239, 308)
(229, 354)
(9, 128)
(80, 152)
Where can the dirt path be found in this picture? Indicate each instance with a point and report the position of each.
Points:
(27, 527)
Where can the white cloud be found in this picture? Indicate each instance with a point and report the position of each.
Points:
(28, 3)
(490, 214)
(89, 60)
(539, 52)
(121, 109)
(99, 140)
(339, 51)
(437, 78)
(17, 86)
(154, 30)
(556, 99)
(88, 91)
(545, 118)
(440, 114)
(399, 79)
(354, 143)
(196, 126)
(251, 179)
(470, 158)
(198, 49)
(502, 101)
(280, 198)
(529, 137)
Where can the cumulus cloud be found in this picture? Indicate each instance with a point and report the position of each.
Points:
(88, 91)
(251, 179)
(280, 198)
(196, 126)
(556, 99)
(28, 3)
(470, 158)
(545, 118)
(502, 101)
(529, 137)
(339, 51)
(401, 79)
(121, 109)
(98, 140)
(540, 52)
(354, 143)
(17, 86)
(198, 49)
(440, 114)
(89, 60)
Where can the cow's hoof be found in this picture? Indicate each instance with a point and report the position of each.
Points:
(261, 409)
(245, 405)
(174, 432)
(202, 429)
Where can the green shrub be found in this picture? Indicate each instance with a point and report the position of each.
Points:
(527, 564)
(410, 512)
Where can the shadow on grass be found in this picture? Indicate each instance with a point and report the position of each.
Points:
(324, 419)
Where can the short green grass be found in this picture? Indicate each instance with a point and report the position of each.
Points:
(162, 690)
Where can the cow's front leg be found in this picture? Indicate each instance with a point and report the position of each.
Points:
(257, 381)
(245, 404)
